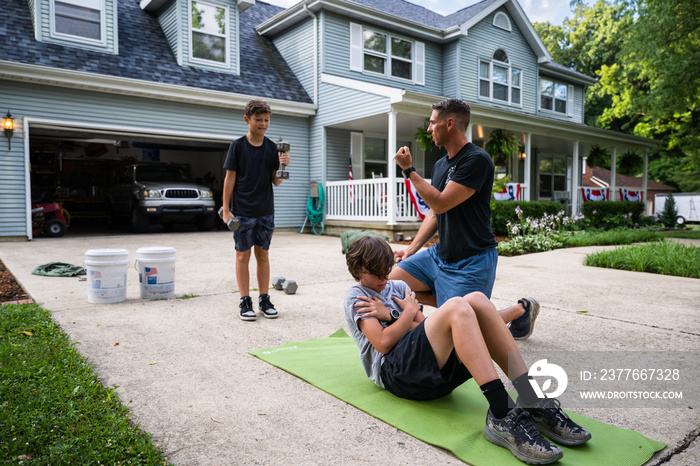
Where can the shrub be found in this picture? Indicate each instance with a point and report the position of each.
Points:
(608, 215)
(668, 216)
(504, 212)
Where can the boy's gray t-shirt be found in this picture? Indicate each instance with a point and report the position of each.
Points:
(371, 359)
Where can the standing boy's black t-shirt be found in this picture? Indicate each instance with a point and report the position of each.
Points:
(465, 230)
(252, 193)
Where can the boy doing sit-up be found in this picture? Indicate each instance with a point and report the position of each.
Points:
(423, 358)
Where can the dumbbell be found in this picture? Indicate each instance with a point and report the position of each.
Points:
(289, 286)
(233, 222)
(282, 174)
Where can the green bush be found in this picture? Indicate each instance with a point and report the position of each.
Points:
(607, 215)
(666, 258)
(503, 212)
(668, 216)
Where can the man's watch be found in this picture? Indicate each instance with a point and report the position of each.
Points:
(395, 315)
(407, 172)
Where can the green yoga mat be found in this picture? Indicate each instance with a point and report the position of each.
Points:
(454, 422)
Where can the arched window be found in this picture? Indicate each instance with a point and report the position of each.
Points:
(500, 20)
(499, 81)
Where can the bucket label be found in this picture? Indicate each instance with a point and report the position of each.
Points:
(151, 275)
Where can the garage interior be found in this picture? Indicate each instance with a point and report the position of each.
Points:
(74, 167)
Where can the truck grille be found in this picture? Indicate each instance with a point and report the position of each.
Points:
(181, 194)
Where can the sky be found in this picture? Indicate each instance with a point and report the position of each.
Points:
(553, 11)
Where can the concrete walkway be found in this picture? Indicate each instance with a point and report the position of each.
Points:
(183, 368)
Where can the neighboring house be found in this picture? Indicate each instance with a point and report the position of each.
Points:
(93, 82)
(597, 177)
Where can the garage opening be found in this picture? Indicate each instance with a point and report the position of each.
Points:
(80, 169)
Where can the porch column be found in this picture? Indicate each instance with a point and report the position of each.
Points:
(469, 132)
(574, 180)
(391, 169)
(645, 175)
(613, 173)
(527, 175)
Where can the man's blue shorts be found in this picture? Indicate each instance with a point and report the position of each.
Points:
(451, 279)
(411, 371)
(254, 231)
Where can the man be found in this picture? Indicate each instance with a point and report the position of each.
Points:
(459, 198)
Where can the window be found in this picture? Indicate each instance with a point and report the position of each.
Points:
(552, 176)
(383, 54)
(209, 34)
(556, 97)
(500, 20)
(499, 81)
(79, 18)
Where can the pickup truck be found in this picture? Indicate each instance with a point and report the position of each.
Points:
(147, 193)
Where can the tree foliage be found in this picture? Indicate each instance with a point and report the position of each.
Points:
(646, 56)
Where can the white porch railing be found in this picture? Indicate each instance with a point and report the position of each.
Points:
(366, 200)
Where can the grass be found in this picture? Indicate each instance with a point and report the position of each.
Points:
(53, 408)
(610, 237)
(662, 257)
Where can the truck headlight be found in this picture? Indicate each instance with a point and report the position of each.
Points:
(206, 193)
(151, 193)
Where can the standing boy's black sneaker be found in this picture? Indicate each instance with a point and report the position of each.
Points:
(522, 327)
(517, 433)
(554, 423)
(266, 306)
(246, 305)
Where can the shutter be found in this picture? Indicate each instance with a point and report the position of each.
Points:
(356, 47)
(357, 156)
(570, 101)
(420, 64)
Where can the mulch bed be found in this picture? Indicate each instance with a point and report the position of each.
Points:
(10, 289)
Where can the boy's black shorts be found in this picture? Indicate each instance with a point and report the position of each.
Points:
(411, 371)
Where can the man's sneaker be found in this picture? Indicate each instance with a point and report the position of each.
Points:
(554, 423)
(517, 433)
(266, 306)
(246, 305)
(522, 327)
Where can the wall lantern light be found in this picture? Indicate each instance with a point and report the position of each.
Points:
(8, 125)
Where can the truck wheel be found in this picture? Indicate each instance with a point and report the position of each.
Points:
(139, 222)
(55, 228)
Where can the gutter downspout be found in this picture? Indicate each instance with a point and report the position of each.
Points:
(315, 18)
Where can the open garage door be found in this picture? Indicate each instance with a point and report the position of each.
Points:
(76, 166)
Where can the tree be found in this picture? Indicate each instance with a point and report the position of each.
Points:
(668, 216)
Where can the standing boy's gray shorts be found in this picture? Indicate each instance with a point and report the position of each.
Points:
(254, 231)
(411, 371)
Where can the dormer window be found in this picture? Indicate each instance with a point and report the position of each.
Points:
(556, 97)
(499, 81)
(82, 19)
(501, 20)
(208, 33)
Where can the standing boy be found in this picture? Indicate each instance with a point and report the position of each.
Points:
(423, 358)
(251, 171)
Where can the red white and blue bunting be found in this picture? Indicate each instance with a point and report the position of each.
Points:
(511, 192)
(595, 194)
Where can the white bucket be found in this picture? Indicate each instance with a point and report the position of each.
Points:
(106, 275)
(156, 267)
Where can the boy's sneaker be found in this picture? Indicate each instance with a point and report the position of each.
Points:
(517, 433)
(522, 327)
(246, 305)
(554, 423)
(266, 306)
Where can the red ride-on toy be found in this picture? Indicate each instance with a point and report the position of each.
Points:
(48, 219)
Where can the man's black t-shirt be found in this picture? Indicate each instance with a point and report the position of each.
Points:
(465, 230)
(252, 193)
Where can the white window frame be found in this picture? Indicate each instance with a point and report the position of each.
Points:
(226, 36)
(491, 62)
(98, 5)
(358, 52)
(569, 101)
(503, 18)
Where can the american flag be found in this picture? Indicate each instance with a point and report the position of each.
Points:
(352, 191)
(151, 271)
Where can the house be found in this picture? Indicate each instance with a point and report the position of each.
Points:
(92, 83)
(602, 178)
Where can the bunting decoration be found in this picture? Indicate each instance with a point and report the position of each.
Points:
(418, 202)
(630, 195)
(511, 192)
(595, 194)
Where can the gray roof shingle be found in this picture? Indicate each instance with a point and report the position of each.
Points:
(144, 54)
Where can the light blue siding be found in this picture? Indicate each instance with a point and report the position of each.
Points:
(72, 106)
(297, 47)
(111, 39)
(336, 58)
(337, 144)
(451, 69)
(169, 22)
(481, 42)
